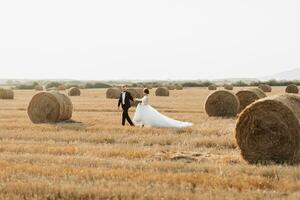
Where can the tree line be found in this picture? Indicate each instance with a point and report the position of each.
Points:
(152, 84)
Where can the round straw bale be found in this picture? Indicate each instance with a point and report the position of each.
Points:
(228, 87)
(113, 93)
(248, 96)
(212, 87)
(74, 91)
(265, 87)
(136, 92)
(39, 88)
(61, 87)
(52, 89)
(292, 89)
(49, 107)
(171, 87)
(6, 94)
(140, 91)
(222, 103)
(269, 130)
(178, 87)
(162, 91)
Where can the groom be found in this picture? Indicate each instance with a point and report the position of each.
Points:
(124, 100)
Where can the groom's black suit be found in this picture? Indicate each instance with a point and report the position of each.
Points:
(125, 106)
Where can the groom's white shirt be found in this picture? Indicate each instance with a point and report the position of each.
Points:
(123, 98)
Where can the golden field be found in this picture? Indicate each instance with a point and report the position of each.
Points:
(97, 158)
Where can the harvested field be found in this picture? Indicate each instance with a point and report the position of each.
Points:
(94, 157)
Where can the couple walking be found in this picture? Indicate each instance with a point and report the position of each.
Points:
(146, 115)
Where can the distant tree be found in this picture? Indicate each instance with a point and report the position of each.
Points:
(97, 85)
(25, 87)
(53, 84)
(9, 82)
(35, 83)
(196, 84)
(191, 84)
(88, 85)
(273, 83)
(206, 83)
(240, 84)
(135, 85)
(71, 85)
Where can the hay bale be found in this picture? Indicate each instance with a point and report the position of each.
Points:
(248, 96)
(6, 94)
(74, 91)
(39, 88)
(171, 87)
(228, 87)
(265, 88)
(61, 87)
(162, 91)
(136, 92)
(222, 103)
(113, 93)
(178, 87)
(212, 87)
(269, 130)
(52, 89)
(49, 107)
(292, 89)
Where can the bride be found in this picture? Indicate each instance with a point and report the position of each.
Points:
(146, 115)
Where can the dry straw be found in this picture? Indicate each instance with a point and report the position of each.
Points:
(292, 89)
(248, 96)
(265, 87)
(49, 107)
(113, 93)
(6, 94)
(269, 130)
(162, 91)
(74, 91)
(222, 103)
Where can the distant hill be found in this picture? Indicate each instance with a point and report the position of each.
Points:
(247, 80)
(293, 74)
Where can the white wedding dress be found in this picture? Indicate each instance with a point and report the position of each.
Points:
(146, 115)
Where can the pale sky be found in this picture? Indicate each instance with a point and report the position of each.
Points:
(154, 39)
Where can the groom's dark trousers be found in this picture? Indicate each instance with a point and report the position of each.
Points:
(125, 106)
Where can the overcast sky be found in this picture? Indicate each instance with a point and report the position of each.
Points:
(154, 39)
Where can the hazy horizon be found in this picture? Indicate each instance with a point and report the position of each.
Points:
(136, 40)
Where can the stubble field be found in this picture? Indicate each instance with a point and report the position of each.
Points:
(96, 158)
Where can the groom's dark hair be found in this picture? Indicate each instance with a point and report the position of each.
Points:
(146, 91)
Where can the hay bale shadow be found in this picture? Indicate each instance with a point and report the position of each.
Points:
(71, 125)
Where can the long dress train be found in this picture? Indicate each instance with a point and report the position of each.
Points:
(148, 116)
